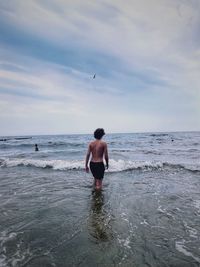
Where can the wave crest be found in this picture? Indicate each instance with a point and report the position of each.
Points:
(115, 165)
(54, 164)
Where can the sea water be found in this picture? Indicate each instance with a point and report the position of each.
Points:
(148, 213)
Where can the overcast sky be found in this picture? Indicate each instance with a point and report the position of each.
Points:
(146, 56)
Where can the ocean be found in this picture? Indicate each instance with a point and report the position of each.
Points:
(147, 215)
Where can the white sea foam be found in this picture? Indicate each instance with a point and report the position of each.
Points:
(180, 246)
(114, 165)
(122, 165)
(144, 222)
(197, 205)
(163, 211)
(54, 164)
(4, 237)
(192, 231)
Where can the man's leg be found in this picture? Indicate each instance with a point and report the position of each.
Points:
(98, 183)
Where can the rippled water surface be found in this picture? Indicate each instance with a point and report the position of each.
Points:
(148, 213)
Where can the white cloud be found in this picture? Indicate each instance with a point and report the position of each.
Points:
(155, 37)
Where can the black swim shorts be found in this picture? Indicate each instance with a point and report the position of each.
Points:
(97, 169)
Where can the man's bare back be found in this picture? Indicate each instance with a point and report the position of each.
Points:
(98, 149)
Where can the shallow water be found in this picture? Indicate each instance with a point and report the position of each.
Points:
(148, 213)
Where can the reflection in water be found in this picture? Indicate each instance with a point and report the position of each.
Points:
(99, 223)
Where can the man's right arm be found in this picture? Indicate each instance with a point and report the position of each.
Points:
(87, 158)
(106, 156)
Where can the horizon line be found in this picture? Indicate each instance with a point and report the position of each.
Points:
(177, 131)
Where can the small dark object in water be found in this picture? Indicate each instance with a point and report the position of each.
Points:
(36, 147)
(3, 139)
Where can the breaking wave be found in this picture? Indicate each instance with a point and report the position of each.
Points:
(114, 165)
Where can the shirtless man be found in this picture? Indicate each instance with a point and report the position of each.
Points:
(98, 149)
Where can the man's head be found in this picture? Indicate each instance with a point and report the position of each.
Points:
(99, 133)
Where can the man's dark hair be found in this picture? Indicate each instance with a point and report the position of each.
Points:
(98, 133)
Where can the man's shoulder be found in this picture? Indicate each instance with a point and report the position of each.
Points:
(95, 142)
(91, 143)
(104, 143)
